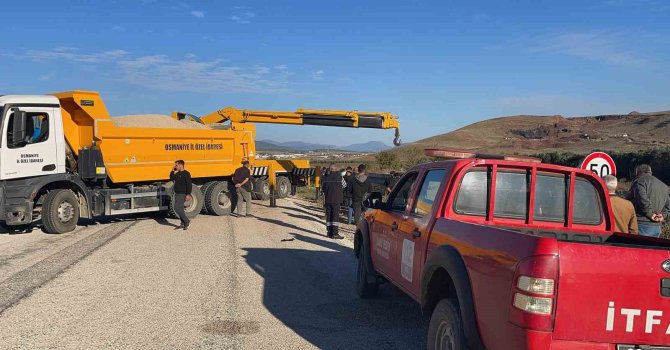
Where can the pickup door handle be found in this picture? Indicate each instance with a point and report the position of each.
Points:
(416, 233)
(394, 226)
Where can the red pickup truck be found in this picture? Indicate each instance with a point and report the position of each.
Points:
(510, 254)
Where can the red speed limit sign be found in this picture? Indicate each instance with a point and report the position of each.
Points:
(600, 163)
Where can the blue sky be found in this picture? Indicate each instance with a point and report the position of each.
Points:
(439, 65)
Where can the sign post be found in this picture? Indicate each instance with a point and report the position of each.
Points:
(600, 163)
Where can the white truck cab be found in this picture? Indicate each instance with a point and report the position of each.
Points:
(32, 144)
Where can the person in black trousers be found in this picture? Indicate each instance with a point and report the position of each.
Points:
(358, 188)
(182, 192)
(242, 181)
(331, 185)
(295, 181)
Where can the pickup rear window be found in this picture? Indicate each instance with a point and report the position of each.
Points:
(472, 194)
(587, 209)
(512, 197)
(550, 194)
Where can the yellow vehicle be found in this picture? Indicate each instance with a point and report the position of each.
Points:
(242, 120)
(63, 157)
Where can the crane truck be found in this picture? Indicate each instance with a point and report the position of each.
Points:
(62, 158)
(236, 119)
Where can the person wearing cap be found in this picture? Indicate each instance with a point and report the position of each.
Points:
(242, 181)
(625, 219)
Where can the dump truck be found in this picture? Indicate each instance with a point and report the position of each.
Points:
(62, 158)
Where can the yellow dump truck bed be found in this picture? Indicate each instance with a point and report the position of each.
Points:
(144, 154)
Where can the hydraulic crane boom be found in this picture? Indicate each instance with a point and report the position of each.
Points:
(346, 119)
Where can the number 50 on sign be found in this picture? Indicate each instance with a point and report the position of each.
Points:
(600, 163)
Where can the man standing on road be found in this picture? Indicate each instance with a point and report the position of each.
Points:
(625, 219)
(650, 198)
(182, 192)
(331, 185)
(242, 181)
(295, 181)
(358, 188)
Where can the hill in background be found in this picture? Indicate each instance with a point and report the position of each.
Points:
(526, 135)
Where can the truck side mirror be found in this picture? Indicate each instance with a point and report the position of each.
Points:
(374, 201)
(19, 126)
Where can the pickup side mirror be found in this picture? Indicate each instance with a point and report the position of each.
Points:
(19, 127)
(374, 201)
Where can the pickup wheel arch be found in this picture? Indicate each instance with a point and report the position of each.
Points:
(445, 276)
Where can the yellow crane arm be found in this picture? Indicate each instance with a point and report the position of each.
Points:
(346, 119)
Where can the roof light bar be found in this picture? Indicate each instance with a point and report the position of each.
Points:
(461, 154)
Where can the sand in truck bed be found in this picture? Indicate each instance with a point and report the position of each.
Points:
(159, 121)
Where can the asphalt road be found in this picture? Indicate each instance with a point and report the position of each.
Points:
(273, 281)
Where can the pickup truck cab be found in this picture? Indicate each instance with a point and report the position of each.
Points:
(510, 254)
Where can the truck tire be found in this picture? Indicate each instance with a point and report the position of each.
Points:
(262, 189)
(60, 211)
(364, 288)
(204, 188)
(194, 207)
(446, 329)
(218, 200)
(283, 187)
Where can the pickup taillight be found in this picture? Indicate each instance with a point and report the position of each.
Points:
(533, 301)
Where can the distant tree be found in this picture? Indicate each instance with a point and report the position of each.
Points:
(387, 160)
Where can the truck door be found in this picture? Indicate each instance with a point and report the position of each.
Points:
(383, 241)
(413, 231)
(34, 154)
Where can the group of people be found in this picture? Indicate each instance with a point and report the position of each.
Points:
(350, 188)
(183, 187)
(646, 207)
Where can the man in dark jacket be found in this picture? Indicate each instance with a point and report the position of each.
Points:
(331, 184)
(650, 198)
(182, 191)
(358, 188)
(242, 181)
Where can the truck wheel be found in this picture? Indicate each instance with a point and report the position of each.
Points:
(364, 288)
(60, 211)
(283, 187)
(262, 189)
(446, 330)
(204, 188)
(193, 207)
(217, 199)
